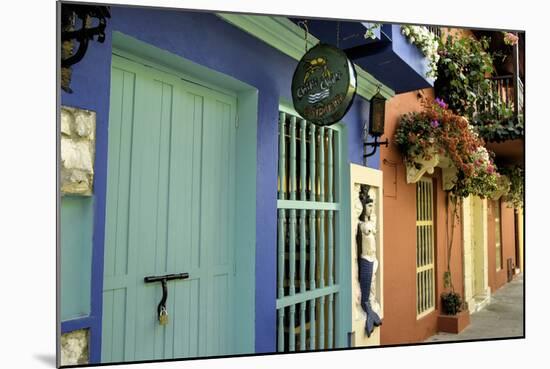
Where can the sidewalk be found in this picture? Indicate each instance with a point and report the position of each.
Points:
(503, 317)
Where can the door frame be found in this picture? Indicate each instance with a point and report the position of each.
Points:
(245, 170)
(475, 253)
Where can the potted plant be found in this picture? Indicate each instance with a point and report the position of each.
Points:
(454, 318)
(451, 303)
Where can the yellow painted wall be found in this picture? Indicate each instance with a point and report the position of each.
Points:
(520, 223)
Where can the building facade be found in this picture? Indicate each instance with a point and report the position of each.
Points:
(487, 249)
(202, 216)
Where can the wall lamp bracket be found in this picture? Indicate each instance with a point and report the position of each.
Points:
(375, 144)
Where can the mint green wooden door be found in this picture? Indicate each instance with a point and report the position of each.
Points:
(170, 209)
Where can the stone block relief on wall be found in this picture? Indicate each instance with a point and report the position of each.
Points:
(74, 347)
(77, 151)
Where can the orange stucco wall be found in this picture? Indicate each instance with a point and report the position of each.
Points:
(400, 323)
(508, 239)
(455, 32)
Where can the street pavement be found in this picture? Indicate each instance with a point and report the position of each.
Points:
(503, 317)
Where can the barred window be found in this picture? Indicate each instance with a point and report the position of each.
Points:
(308, 205)
(425, 271)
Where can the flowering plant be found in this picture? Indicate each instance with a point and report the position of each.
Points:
(427, 42)
(437, 130)
(484, 179)
(462, 68)
(510, 38)
(499, 122)
(516, 175)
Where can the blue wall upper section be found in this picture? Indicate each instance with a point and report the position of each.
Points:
(391, 59)
(207, 40)
(399, 64)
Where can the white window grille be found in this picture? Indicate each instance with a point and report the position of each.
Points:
(308, 205)
(425, 270)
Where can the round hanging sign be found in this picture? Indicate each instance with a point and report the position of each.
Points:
(323, 85)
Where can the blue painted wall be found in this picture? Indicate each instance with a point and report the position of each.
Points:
(400, 64)
(91, 80)
(207, 40)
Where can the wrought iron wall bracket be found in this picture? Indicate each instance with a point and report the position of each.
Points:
(375, 145)
(83, 35)
(163, 279)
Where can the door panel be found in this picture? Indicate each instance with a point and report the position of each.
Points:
(170, 209)
(477, 232)
(473, 232)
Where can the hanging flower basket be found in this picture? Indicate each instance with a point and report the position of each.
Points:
(436, 137)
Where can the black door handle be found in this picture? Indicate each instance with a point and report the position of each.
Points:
(163, 279)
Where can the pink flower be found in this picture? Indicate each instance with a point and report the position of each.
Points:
(510, 38)
(441, 103)
(490, 169)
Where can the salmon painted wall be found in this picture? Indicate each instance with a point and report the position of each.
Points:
(400, 323)
(456, 260)
(491, 245)
(508, 239)
(455, 32)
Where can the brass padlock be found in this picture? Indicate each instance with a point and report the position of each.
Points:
(163, 316)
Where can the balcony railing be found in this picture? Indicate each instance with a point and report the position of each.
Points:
(499, 114)
(521, 94)
(503, 92)
(435, 30)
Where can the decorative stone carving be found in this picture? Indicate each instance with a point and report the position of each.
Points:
(367, 259)
(74, 348)
(357, 206)
(449, 172)
(421, 166)
(77, 150)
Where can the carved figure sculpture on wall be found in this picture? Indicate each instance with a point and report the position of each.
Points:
(367, 261)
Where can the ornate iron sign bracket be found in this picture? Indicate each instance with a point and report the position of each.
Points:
(73, 15)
